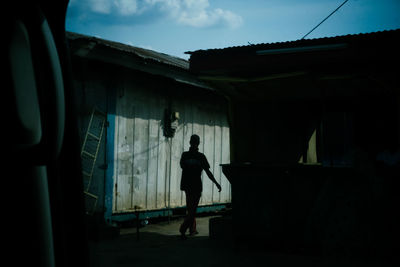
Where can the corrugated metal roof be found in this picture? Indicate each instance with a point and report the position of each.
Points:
(141, 52)
(295, 43)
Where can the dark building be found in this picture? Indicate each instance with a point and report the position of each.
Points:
(314, 139)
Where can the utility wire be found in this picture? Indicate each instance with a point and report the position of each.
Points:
(333, 12)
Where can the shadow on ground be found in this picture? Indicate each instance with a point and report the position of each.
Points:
(154, 249)
(160, 245)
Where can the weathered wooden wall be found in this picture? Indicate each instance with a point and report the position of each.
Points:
(144, 167)
(146, 164)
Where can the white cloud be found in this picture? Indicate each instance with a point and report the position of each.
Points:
(126, 7)
(204, 18)
(194, 13)
(100, 6)
(122, 7)
(197, 13)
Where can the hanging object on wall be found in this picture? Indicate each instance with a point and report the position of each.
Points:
(170, 123)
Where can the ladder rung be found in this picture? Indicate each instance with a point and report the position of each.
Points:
(89, 194)
(94, 136)
(99, 112)
(87, 174)
(87, 153)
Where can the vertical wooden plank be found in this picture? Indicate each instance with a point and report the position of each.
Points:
(187, 133)
(182, 121)
(154, 124)
(161, 163)
(156, 150)
(188, 125)
(198, 128)
(148, 162)
(140, 159)
(226, 187)
(161, 181)
(176, 171)
(115, 159)
(130, 137)
(110, 178)
(124, 155)
(208, 144)
(218, 155)
(168, 173)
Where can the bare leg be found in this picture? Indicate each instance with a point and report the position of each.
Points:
(192, 201)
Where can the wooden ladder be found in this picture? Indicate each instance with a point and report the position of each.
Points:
(89, 153)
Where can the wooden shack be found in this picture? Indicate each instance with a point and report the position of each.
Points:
(138, 110)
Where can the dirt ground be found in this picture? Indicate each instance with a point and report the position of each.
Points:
(160, 245)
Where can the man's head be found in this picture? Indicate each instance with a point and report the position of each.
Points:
(195, 140)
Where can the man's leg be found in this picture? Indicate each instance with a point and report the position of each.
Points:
(192, 228)
(192, 201)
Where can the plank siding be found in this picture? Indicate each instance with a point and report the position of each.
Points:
(147, 173)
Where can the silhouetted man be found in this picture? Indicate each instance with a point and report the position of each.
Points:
(193, 163)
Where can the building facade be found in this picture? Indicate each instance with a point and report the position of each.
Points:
(137, 111)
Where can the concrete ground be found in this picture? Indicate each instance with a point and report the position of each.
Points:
(160, 245)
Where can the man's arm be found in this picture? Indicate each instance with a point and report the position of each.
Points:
(212, 178)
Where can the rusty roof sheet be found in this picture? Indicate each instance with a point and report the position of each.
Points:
(140, 52)
(296, 43)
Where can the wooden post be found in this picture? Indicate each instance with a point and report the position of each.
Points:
(137, 213)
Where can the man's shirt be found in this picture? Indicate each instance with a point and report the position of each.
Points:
(192, 164)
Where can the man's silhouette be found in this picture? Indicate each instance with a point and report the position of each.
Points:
(193, 163)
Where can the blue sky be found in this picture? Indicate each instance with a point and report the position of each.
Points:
(176, 26)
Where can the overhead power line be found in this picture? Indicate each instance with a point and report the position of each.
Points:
(333, 12)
